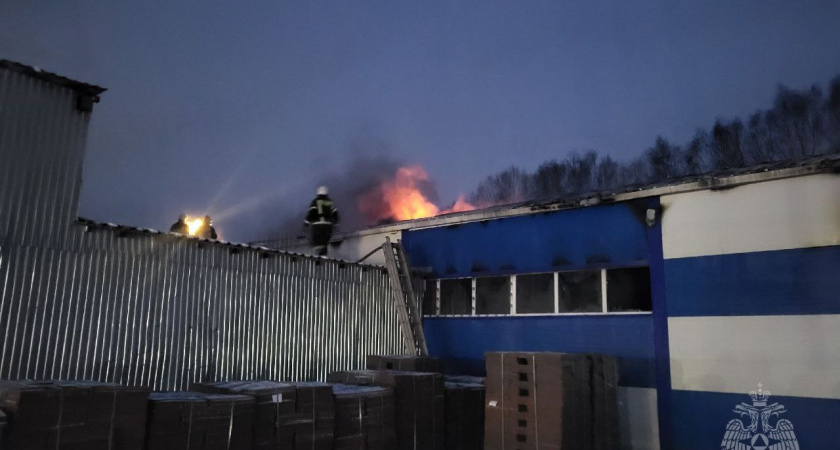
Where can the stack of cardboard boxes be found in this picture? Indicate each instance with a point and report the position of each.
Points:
(364, 418)
(604, 389)
(73, 414)
(287, 415)
(538, 401)
(464, 413)
(420, 404)
(314, 421)
(192, 420)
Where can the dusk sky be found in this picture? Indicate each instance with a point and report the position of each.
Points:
(240, 108)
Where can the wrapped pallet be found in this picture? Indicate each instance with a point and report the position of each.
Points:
(419, 399)
(604, 391)
(73, 414)
(407, 363)
(537, 401)
(287, 415)
(464, 415)
(314, 422)
(364, 418)
(192, 420)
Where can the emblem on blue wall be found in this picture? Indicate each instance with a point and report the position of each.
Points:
(765, 430)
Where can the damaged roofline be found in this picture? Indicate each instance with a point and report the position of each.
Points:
(815, 165)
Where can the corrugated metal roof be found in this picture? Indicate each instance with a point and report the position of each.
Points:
(719, 179)
(126, 231)
(36, 72)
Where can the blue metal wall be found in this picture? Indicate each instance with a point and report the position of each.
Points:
(596, 237)
(585, 238)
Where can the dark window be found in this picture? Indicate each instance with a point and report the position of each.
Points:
(629, 289)
(456, 296)
(535, 293)
(580, 291)
(492, 295)
(429, 298)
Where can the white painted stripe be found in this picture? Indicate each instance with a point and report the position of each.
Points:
(791, 355)
(774, 215)
(638, 418)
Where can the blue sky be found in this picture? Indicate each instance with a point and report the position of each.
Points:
(239, 108)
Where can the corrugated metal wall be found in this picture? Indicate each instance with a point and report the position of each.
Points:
(151, 309)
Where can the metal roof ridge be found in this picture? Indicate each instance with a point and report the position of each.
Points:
(37, 72)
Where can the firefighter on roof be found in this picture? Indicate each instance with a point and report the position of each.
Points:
(180, 226)
(207, 230)
(321, 217)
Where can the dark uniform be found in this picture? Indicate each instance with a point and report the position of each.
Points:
(180, 226)
(206, 229)
(321, 217)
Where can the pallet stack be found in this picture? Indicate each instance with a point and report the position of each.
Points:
(73, 414)
(314, 421)
(287, 415)
(407, 363)
(538, 401)
(364, 418)
(192, 420)
(464, 413)
(274, 409)
(419, 399)
(604, 390)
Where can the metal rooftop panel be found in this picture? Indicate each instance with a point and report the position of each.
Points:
(50, 77)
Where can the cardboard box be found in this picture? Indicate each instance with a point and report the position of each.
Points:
(287, 415)
(537, 401)
(74, 414)
(419, 399)
(464, 416)
(193, 420)
(364, 418)
(604, 385)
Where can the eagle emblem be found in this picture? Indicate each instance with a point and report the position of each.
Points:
(760, 433)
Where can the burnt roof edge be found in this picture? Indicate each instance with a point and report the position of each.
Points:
(827, 163)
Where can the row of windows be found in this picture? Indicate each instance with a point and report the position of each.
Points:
(587, 291)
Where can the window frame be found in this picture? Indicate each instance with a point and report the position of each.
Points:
(512, 296)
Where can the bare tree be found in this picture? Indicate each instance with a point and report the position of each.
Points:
(760, 141)
(550, 179)
(581, 172)
(831, 109)
(797, 121)
(607, 176)
(726, 144)
(694, 159)
(509, 186)
(662, 158)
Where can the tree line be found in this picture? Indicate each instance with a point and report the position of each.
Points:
(801, 123)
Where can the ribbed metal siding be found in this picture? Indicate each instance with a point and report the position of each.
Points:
(42, 139)
(155, 309)
(152, 310)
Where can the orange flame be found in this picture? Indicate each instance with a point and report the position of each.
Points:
(402, 198)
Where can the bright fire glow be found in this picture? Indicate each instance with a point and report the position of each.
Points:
(403, 196)
(194, 225)
(403, 199)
